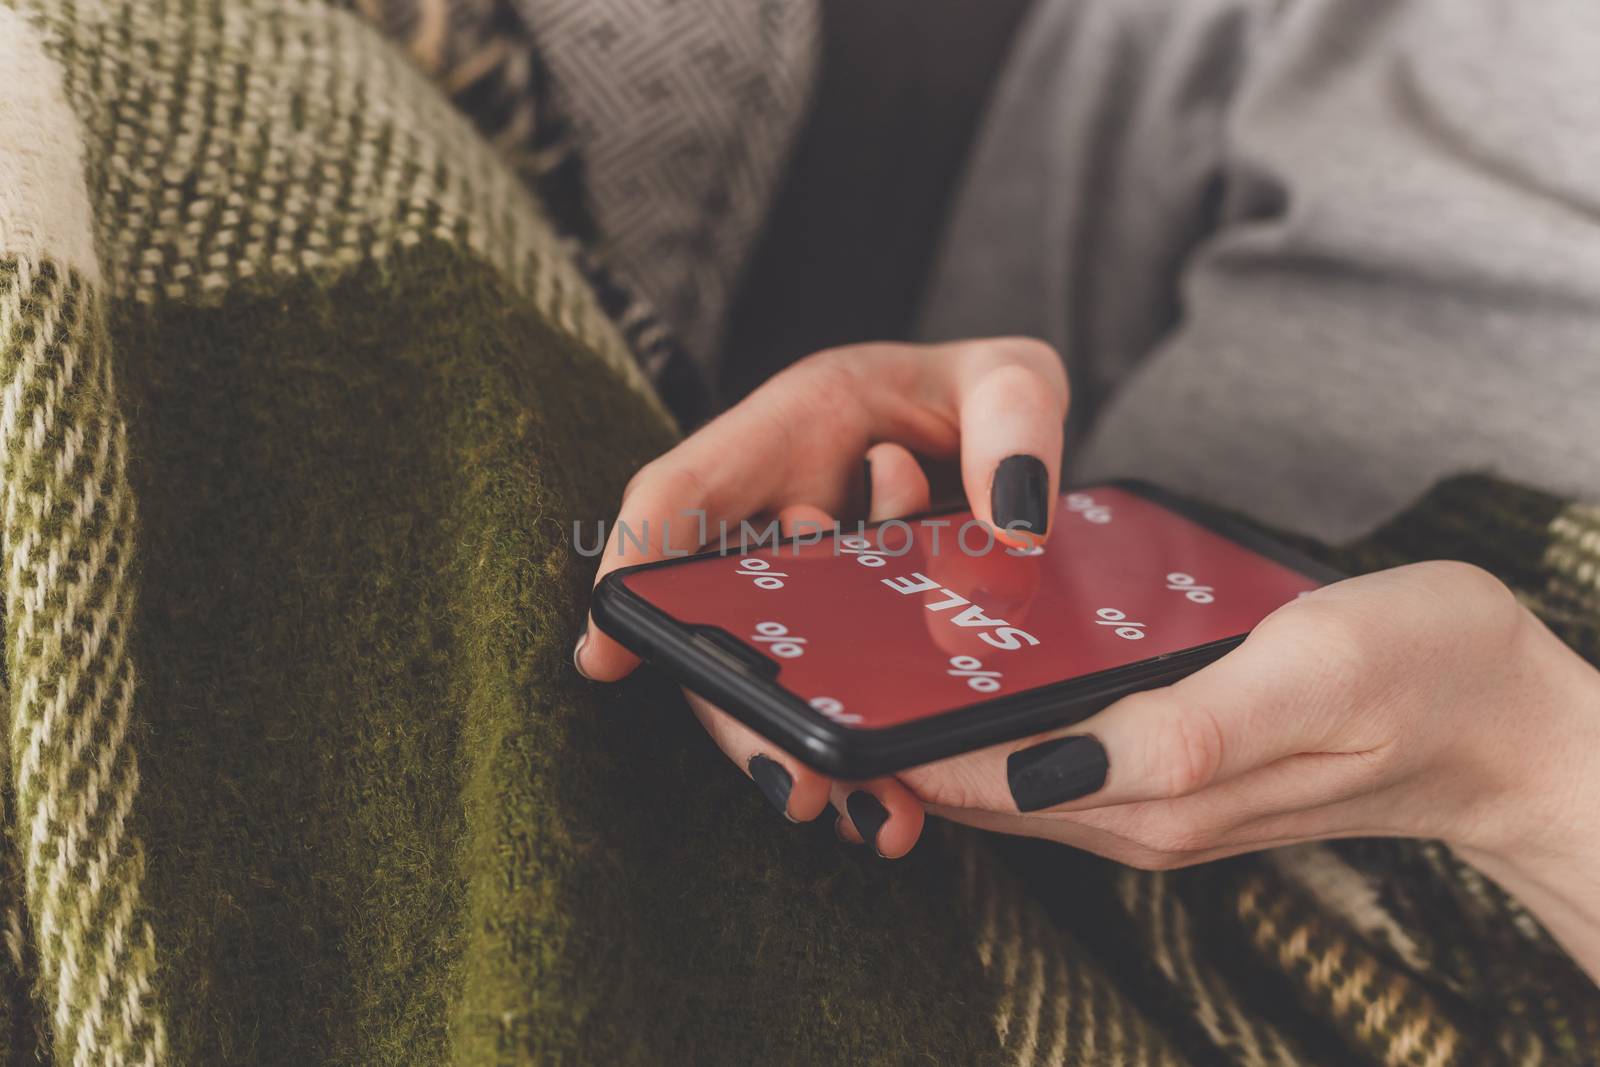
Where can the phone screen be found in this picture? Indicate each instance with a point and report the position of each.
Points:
(912, 619)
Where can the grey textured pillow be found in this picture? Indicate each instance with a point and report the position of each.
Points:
(684, 114)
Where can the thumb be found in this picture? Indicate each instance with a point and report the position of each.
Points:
(1249, 709)
(1243, 712)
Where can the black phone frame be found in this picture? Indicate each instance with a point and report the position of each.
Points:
(753, 695)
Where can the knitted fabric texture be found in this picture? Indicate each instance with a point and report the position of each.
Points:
(685, 113)
(483, 54)
(299, 399)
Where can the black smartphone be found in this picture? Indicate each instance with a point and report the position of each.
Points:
(864, 650)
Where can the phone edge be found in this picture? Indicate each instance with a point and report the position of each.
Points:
(797, 728)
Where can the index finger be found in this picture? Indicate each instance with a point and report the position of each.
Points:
(739, 465)
(799, 439)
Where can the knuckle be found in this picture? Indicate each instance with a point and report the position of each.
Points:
(1024, 364)
(829, 372)
(1047, 364)
(949, 784)
(669, 480)
(1469, 587)
(824, 394)
(1188, 750)
(664, 507)
(1317, 645)
(641, 478)
(803, 385)
(1018, 384)
(1455, 571)
(1312, 618)
(1033, 352)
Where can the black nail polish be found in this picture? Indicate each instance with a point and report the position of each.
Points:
(866, 484)
(1056, 771)
(1020, 495)
(868, 814)
(773, 781)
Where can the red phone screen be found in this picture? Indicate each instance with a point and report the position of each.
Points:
(909, 620)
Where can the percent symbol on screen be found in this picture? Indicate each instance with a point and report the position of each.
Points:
(860, 548)
(971, 669)
(1125, 629)
(760, 570)
(776, 636)
(1179, 582)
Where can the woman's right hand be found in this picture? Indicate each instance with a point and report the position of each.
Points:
(793, 450)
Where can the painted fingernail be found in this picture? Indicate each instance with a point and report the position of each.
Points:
(577, 656)
(868, 814)
(1019, 497)
(773, 781)
(1056, 772)
(866, 482)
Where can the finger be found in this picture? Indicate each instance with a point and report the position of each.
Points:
(1112, 846)
(787, 443)
(962, 560)
(880, 812)
(798, 793)
(1013, 405)
(802, 518)
(806, 523)
(1312, 797)
(1257, 705)
(1262, 703)
(1300, 798)
(1060, 830)
(896, 483)
(664, 511)
(757, 457)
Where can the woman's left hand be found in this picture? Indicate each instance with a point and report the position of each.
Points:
(1417, 701)
(1423, 701)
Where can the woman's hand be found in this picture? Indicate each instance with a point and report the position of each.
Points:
(793, 450)
(1422, 701)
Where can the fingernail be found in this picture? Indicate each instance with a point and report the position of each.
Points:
(868, 814)
(1056, 771)
(773, 781)
(866, 482)
(1019, 497)
(838, 831)
(577, 654)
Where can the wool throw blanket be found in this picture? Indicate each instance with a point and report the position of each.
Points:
(300, 393)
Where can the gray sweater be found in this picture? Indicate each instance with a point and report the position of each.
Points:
(1303, 257)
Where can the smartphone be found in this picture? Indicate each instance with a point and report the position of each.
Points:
(865, 650)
